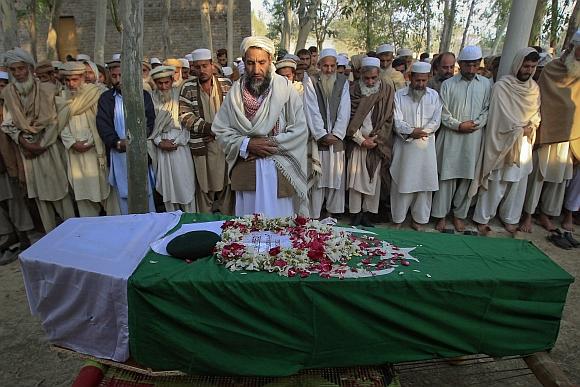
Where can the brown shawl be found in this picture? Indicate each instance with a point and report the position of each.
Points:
(382, 119)
(560, 107)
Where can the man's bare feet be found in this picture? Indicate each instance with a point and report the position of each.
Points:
(568, 221)
(483, 229)
(416, 226)
(511, 228)
(458, 224)
(526, 223)
(397, 225)
(545, 221)
(440, 226)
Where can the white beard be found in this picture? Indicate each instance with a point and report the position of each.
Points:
(24, 88)
(163, 96)
(572, 65)
(366, 91)
(416, 95)
(327, 83)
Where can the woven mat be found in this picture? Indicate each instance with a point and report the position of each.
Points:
(326, 377)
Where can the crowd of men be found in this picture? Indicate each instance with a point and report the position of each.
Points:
(316, 133)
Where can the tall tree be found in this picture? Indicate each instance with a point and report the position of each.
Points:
(467, 24)
(230, 31)
(286, 25)
(573, 24)
(427, 12)
(539, 14)
(449, 12)
(32, 26)
(326, 14)
(205, 13)
(9, 24)
(52, 38)
(306, 20)
(166, 35)
(554, 23)
(131, 12)
(100, 31)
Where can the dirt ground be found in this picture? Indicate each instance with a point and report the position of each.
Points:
(27, 359)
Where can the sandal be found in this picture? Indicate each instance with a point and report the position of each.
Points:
(559, 240)
(448, 231)
(568, 236)
(470, 232)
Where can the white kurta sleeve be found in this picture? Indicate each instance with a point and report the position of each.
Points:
(8, 126)
(435, 121)
(481, 119)
(68, 140)
(446, 117)
(343, 115)
(311, 110)
(295, 122)
(402, 127)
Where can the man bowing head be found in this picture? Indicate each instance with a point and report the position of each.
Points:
(262, 129)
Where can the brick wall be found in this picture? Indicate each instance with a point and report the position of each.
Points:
(184, 25)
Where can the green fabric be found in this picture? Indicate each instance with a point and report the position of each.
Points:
(495, 296)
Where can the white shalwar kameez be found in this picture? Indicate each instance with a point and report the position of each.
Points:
(414, 166)
(331, 185)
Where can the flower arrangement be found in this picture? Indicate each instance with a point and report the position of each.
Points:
(300, 246)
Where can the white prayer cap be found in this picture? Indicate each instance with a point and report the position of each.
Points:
(3, 75)
(421, 67)
(227, 71)
(162, 72)
(369, 61)
(201, 54)
(576, 38)
(342, 61)
(405, 52)
(470, 53)
(116, 58)
(327, 52)
(385, 48)
(295, 58)
(545, 58)
(189, 57)
(426, 60)
(184, 62)
(238, 59)
(83, 58)
(286, 63)
(260, 42)
(155, 61)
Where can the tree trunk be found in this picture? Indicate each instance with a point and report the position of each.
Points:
(100, 32)
(9, 24)
(32, 28)
(538, 22)
(165, 34)
(448, 24)
(286, 25)
(554, 24)
(306, 17)
(131, 12)
(115, 15)
(573, 24)
(52, 39)
(230, 32)
(206, 24)
(499, 33)
(467, 24)
(369, 21)
(428, 25)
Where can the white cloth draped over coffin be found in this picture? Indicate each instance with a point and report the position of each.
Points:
(76, 279)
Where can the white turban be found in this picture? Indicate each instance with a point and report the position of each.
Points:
(18, 55)
(201, 54)
(370, 61)
(184, 62)
(385, 48)
(342, 61)
(260, 42)
(327, 52)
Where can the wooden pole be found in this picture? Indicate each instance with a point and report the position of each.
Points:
(230, 32)
(205, 14)
(165, 13)
(134, 107)
(100, 32)
(546, 370)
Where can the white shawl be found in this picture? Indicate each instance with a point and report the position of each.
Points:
(231, 127)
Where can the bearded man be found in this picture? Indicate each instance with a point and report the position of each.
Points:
(328, 121)
(465, 99)
(30, 120)
(558, 138)
(177, 77)
(262, 130)
(172, 162)
(369, 133)
(15, 220)
(385, 53)
(514, 116)
(414, 168)
(113, 133)
(444, 66)
(87, 160)
(201, 99)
